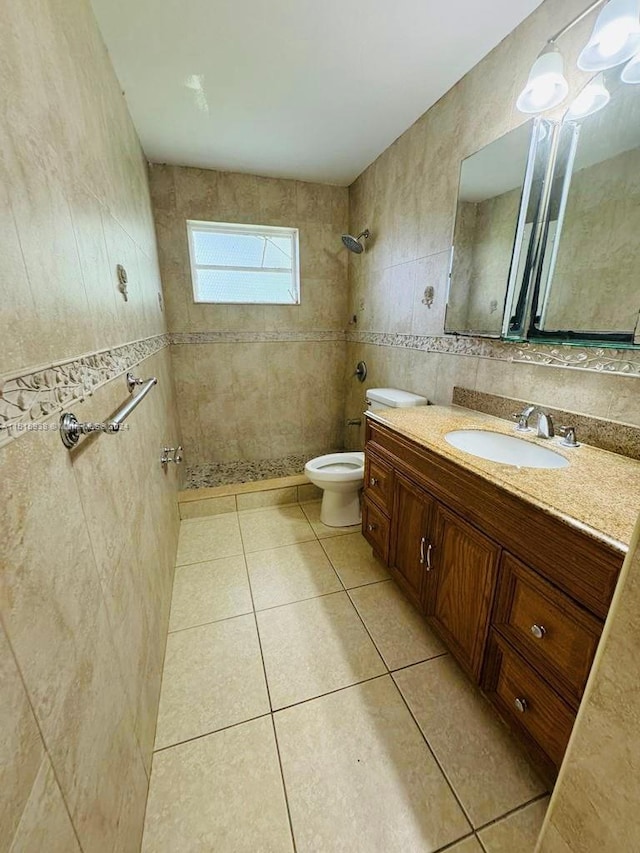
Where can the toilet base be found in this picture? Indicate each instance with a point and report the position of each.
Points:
(340, 509)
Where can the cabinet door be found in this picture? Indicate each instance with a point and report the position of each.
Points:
(411, 538)
(464, 575)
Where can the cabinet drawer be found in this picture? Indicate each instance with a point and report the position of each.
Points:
(555, 634)
(527, 701)
(375, 528)
(378, 482)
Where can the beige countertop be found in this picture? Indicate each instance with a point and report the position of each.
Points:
(599, 491)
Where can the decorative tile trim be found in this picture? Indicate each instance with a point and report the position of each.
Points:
(600, 360)
(252, 337)
(30, 397)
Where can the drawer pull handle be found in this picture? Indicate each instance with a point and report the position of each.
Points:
(521, 705)
(538, 631)
(426, 548)
(429, 550)
(372, 527)
(373, 481)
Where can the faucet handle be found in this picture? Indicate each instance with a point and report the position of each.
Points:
(522, 419)
(569, 433)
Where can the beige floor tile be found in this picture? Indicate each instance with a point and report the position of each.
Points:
(213, 677)
(486, 767)
(212, 538)
(398, 630)
(313, 647)
(219, 793)
(359, 776)
(207, 507)
(207, 592)
(271, 528)
(518, 832)
(322, 531)
(292, 573)
(353, 560)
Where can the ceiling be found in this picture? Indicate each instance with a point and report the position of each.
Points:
(291, 88)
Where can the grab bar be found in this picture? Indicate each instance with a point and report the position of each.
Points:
(71, 428)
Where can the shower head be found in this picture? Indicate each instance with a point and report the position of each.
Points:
(353, 244)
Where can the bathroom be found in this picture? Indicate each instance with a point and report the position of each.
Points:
(193, 655)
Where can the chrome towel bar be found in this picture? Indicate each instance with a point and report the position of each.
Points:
(71, 429)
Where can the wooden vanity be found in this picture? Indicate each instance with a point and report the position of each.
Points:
(517, 592)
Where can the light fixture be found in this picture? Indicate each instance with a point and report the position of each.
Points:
(615, 37)
(631, 71)
(593, 97)
(547, 86)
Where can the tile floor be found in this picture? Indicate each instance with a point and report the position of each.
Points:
(306, 706)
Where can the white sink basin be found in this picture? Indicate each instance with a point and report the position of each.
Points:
(507, 449)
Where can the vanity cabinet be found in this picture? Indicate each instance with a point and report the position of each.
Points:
(413, 538)
(459, 591)
(517, 594)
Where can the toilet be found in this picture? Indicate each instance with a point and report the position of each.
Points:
(340, 475)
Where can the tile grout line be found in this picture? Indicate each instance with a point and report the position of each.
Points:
(390, 673)
(435, 758)
(266, 682)
(513, 811)
(209, 733)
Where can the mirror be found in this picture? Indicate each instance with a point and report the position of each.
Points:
(589, 286)
(497, 211)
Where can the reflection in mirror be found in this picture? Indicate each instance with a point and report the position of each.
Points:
(498, 202)
(589, 287)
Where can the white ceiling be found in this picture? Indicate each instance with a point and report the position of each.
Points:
(291, 88)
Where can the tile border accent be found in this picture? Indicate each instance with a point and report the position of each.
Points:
(253, 337)
(614, 436)
(597, 359)
(30, 397)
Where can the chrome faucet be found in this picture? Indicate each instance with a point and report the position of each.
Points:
(523, 418)
(545, 422)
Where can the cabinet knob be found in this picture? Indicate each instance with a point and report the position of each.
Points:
(521, 704)
(538, 631)
(373, 481)
(372, 527)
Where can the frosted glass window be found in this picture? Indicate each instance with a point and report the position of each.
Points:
(244, 264)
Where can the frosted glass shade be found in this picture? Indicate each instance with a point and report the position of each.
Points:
(547, 86)
(615, 37)
(631, 71)
(592, 98)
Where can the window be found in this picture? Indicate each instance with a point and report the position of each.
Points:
(244, 264)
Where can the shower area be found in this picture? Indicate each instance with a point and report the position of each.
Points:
(260, 388)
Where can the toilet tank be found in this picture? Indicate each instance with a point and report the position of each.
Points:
(392, 398)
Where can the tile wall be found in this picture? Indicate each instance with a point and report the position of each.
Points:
(256, 382)
(88, 537)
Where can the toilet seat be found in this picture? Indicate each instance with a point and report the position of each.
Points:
(336, 467)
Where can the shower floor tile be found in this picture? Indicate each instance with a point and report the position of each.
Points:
(328, 715)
